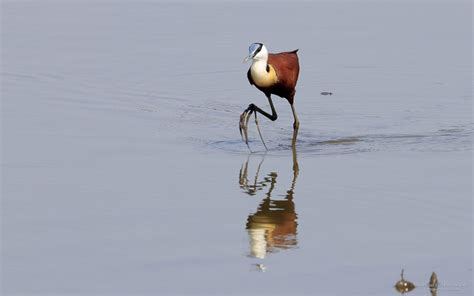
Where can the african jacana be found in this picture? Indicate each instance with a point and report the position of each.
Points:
(271, 73)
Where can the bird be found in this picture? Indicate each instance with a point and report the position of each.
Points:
(273, 74)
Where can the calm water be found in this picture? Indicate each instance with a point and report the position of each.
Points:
(123, 171)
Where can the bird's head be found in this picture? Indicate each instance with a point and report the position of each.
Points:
(257, 52)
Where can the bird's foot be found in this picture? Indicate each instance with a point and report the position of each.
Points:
(243, 124)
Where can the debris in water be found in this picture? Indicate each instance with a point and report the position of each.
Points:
(404, 286)
(433, 284)
(261, 267)
(326, 93)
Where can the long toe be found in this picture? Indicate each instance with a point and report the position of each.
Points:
(241, 126)
(259, 132)
(247, 118)
(245, 129)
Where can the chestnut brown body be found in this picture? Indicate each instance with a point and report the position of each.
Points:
(287, 68)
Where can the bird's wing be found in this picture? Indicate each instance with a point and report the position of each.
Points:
(249, 77)
(285, 60)
(288, 60)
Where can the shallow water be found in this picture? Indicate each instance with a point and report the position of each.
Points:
(123, 170)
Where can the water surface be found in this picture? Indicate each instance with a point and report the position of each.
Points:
(123, 171)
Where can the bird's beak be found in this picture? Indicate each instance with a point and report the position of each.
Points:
(247, 58)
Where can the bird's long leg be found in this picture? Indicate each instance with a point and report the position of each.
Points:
(296, 126)
(259, 132)
(272, 116)
(296, 167)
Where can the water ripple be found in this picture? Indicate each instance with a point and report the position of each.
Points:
(443, 140)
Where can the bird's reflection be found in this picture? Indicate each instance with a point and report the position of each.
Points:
(274, 225)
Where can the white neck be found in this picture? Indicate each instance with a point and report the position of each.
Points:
(259, 67)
